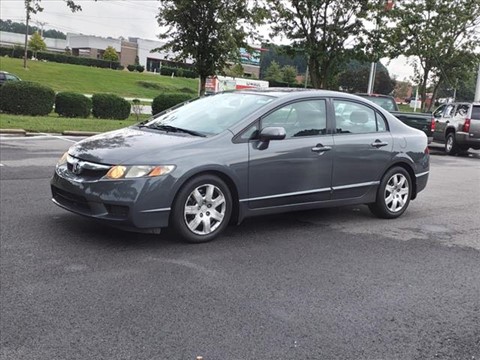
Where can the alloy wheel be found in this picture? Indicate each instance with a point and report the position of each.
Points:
(205, 209)
(396, 193)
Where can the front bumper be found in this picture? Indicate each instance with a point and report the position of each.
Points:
(142, 203)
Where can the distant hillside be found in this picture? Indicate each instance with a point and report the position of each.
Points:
(19, 28)
(91, 80)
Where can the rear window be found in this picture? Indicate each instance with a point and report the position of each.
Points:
(385, 102)
(476, 112)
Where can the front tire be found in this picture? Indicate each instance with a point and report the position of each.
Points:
(202, 209)
(393, 194)
(451, 147)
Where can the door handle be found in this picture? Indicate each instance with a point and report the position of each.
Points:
(378, 144)
(320, 148)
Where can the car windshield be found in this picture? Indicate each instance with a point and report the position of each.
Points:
(209, 115)
(386, 103)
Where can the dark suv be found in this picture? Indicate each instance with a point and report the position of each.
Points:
(5, 76)
(457, 125)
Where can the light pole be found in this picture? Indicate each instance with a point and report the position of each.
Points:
(477, 90)
(25, 55)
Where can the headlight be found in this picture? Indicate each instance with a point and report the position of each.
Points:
(63, 159)
(128, 172)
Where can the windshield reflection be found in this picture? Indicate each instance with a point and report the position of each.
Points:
(211, 115)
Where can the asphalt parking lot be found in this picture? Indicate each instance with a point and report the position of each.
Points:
(324, 284)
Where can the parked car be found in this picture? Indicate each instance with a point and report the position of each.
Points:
(420, 121)
(226, 157)
(5, 76)
(457, 125)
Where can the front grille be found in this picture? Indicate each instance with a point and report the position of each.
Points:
(70, 200)
(87, 173)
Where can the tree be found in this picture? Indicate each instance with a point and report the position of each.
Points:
(209, 32)
(235, 70)
(34, 7)
(274, 72)
(36, 43)
(289, 74)
(323, 30)
(437, 33)
(110, 54)
(354, 78)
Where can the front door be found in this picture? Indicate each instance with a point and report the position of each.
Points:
(295, 170)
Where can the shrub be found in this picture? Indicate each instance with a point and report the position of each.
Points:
(140, 68)
(121, 67)
(72, 105)
(17, 52)
(166, 101)
(26, 98)
(131, 67)
(109, 106)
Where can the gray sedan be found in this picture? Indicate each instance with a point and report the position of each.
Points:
(220, 159)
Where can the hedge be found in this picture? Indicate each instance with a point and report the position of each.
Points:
(72, 105)
(167, 70)
(109, 106)
(18, 52)
(166, 101)
(26, 98)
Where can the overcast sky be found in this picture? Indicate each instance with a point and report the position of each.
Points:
(115, 18)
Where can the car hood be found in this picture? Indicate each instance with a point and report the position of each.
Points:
(129, 144)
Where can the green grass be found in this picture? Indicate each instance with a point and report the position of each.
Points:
(91, 80)
(55, 124)
(405, 108)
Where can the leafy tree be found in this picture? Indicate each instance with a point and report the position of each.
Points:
(209, 32)
(437, 33)
(235, 70)
(283, 55)
(403, 89)
(354, 79)
(110, 54)
(274, 72)
(36, 43)
(323, 29)
(289, 74)
(20, 28)
(465, 87)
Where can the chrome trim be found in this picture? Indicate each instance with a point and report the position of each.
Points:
(156, 210)
(355, 185)
(422, 174)
(87, 164)
(287, 194)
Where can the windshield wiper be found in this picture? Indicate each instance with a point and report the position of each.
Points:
(170, 128)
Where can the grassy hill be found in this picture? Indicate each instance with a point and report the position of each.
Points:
(90, 80)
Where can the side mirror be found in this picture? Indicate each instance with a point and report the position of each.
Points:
(272, 133)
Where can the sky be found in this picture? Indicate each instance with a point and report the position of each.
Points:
(127, 18)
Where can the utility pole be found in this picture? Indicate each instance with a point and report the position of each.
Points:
(477, 91)
(41, 24)
(26, 37)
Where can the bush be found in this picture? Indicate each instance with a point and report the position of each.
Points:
(121, 67)
(72, 105)
(26, 98)
(131, 67)
(166, 101)
(140, 68)
(180, 72)
(17, 52)
(109, 106)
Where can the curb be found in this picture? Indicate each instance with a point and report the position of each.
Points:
(13, 131)
(79, 133)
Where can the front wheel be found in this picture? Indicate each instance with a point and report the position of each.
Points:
(393, 194)
(202, 209)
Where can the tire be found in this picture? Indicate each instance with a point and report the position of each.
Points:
(393, 194)
(202, 209)
(451, 147)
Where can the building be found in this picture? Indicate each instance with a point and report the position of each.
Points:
(14, 39)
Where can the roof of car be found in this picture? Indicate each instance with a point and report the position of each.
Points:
(374, 95)
(281, 92)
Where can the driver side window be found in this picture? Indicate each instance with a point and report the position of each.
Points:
(304, 118)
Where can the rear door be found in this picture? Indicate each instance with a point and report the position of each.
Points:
(363, 148)
(444, 121)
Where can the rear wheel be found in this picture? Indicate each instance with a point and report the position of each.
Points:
(202, 209)
(451, 147)
(393, 194)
